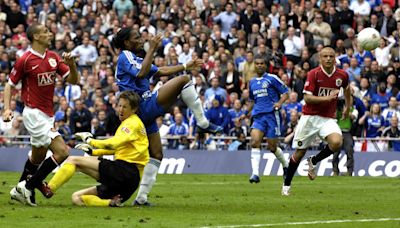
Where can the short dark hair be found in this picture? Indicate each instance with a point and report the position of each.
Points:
(32, 30)
(118, 40)
(132, 97)
(258, 56)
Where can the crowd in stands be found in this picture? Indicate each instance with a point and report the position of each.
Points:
(226, 35)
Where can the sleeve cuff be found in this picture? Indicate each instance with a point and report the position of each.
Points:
(11, 82)
(66, 74)
(307, 92)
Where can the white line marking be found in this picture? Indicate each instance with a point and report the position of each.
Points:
(307, 223)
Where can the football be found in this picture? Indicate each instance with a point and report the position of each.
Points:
(368, 39)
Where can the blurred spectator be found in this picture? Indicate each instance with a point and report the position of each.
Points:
(80, 118)
(227, 19)
(231, 79)
(360, 7)
(291, 105)
(178, 128)
(218, 114)
(374, 122)
(393, 131)
(386, 24)
(238, 132)
(383, 51)
(322, 32)
(86, 53)
(391, 111)
(249, 69)
(213, 91)
(96, 128)
(293, 46)
(381, 97)
(290, 127)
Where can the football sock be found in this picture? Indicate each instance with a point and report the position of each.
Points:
(324, 153)
(279, 155)
(255, 160)
(47, 166)
(293, 164)
(192, 100)
(92, 200)
(29, 169)
(62, 176)
(149, 178)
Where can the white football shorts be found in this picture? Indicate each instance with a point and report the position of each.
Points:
(40, 126)
(311, 126)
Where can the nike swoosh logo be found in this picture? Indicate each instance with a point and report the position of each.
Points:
(34, 67)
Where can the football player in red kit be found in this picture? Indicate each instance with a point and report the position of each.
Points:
(37, 70)
(321, 92)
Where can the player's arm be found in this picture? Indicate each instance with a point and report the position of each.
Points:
(347, 101)
(99, 152)
(8, 114)
(169, 70)
(148, 59)
(111, 143)
(73, 77)
(282, 100)
(311, 99)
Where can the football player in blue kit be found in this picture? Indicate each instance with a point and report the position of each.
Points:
(267, 93)
(134, 73)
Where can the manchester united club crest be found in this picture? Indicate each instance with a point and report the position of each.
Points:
(339, 82)
(52, 62)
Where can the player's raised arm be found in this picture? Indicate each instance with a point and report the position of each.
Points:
(148, 59)
(73, 76)
(195, 63)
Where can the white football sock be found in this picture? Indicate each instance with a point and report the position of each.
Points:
(192, 100)
(255, 160)
(149, 178)
(279, 155)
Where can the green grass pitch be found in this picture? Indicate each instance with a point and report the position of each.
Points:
(220, 200)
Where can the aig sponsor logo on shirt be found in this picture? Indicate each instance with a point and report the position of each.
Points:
(45, 79)
(324, 91)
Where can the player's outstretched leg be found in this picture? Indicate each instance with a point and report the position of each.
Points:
(275, 149)
(183, 86)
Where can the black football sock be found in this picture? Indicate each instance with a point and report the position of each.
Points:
(47, 166)
(29, 169)
(324, 153)
(293, 164)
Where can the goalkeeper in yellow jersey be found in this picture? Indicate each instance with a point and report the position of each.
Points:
(120, 178)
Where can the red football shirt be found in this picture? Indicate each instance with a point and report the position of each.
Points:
(319, 83)
(37, 73)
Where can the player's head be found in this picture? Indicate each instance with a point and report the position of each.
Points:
(39, 34)
(128, 104)
(260, 64)
(128, 39)
(327, 57)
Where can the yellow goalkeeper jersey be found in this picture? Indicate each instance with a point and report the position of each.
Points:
(129, 143)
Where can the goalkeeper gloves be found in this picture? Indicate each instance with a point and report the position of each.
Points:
(86, 137)
(85, 148)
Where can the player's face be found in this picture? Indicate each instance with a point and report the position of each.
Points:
(260, 66)
(327, 58)
(124, 109)
(43, 36)
(135, 42)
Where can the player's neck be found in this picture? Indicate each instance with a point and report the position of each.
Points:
(39, 48)
(328, 70)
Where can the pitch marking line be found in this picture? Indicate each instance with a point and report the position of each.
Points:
(307, 223)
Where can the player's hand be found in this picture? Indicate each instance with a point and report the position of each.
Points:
(333, 95)
(85, 137)
(277, 106)
(8, 115)
(69, 59)
(85, 148)
(346, 113)
(195, 63)
(155, 41)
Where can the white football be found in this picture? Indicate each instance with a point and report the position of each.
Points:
(368, 39)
